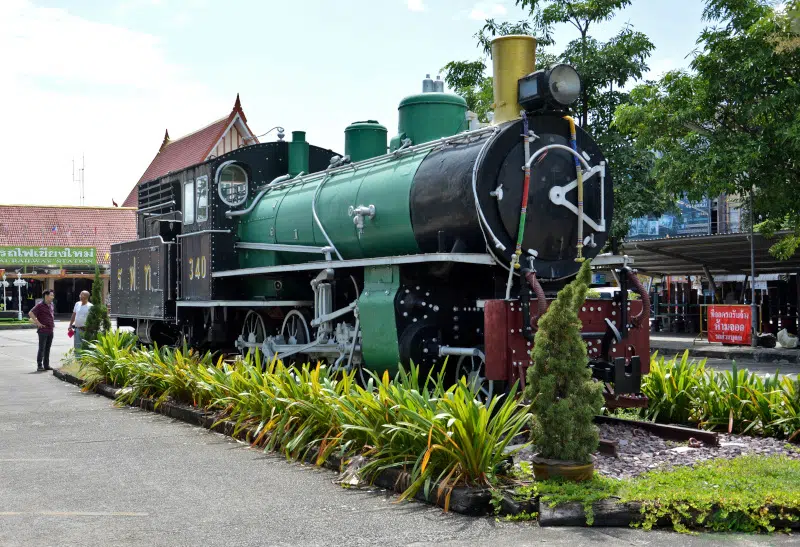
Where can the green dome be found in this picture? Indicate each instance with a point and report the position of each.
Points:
(434, 98)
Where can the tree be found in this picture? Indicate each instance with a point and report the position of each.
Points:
(732, 124)
(98, 320)
(565, 398)
(605, 67)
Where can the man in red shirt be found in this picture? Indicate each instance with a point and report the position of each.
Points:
(42, 317)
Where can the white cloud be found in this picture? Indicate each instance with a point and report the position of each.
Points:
(415, 5)
(485, 10)
(659, 66)
(83, 87)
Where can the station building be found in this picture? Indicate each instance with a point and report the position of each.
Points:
(58, 247)
(701, 255)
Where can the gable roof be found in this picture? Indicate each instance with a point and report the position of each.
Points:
(190, 149)
(98, 227)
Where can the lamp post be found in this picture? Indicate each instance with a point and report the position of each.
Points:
(19, 283)
(4, 283)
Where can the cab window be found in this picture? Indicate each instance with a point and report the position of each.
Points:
(188, 202)
(232, 184)
(202, 198)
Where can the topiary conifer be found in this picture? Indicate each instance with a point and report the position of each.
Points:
(98, 319)
(565, 398)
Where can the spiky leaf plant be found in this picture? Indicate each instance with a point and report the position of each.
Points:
(565, 398)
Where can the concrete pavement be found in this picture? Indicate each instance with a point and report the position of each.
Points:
(75, 470)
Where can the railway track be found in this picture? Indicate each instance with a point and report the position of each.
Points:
(665, 431)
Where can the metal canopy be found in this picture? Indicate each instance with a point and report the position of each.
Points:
(720, 253)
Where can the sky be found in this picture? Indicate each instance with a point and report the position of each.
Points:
(103, 79)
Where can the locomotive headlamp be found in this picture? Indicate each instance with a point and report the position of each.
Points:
(558, 86)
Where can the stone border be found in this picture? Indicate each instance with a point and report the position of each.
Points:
(471, 501)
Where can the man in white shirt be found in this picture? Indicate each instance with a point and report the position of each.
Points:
(79, 314)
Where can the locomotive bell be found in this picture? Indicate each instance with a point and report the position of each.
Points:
(513, 57)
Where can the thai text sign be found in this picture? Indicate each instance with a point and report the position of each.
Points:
(729, 324)
(45, 256)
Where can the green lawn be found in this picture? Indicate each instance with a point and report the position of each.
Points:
(9, 321)
(744, 494)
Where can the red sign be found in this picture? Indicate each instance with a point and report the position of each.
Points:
(729, 324)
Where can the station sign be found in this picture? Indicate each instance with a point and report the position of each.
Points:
(730, 324)
(45, 256)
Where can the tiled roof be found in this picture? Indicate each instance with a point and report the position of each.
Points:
(188, 150)
(180, 153)
(99, 227)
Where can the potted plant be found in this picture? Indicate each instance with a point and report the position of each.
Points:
(565, 398)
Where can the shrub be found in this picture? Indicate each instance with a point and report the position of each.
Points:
(672, 388)
(565, 398)
(737, 401)
(98, 319)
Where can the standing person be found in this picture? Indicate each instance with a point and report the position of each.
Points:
(79, 314)
(42, 317)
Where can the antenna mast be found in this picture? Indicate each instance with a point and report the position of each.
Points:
(80, 179)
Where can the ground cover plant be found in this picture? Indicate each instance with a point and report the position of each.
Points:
(744, 494)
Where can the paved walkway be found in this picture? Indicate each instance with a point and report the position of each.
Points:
(762, 361)
(671, 343)
(75, 470)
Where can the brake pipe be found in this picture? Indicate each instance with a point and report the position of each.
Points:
(574, 143)
(515, 258)
(525, 187)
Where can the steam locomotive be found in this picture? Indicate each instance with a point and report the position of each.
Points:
(446, 243)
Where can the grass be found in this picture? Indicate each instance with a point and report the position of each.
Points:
(12, 321)
(744, 494)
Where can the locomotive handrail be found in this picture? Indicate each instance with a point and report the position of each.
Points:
(560, 147)
(483, 222)
(385, 157)
(316, 217)
(157, 206)
(180, 236)
(285, 247)
(231, 213)
(464, 258)
(560, 199)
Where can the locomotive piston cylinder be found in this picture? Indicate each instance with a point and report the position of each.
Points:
(513, 57)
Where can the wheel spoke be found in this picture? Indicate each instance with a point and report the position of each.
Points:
(473, 368)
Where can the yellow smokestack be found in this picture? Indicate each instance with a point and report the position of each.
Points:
(513, 57)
